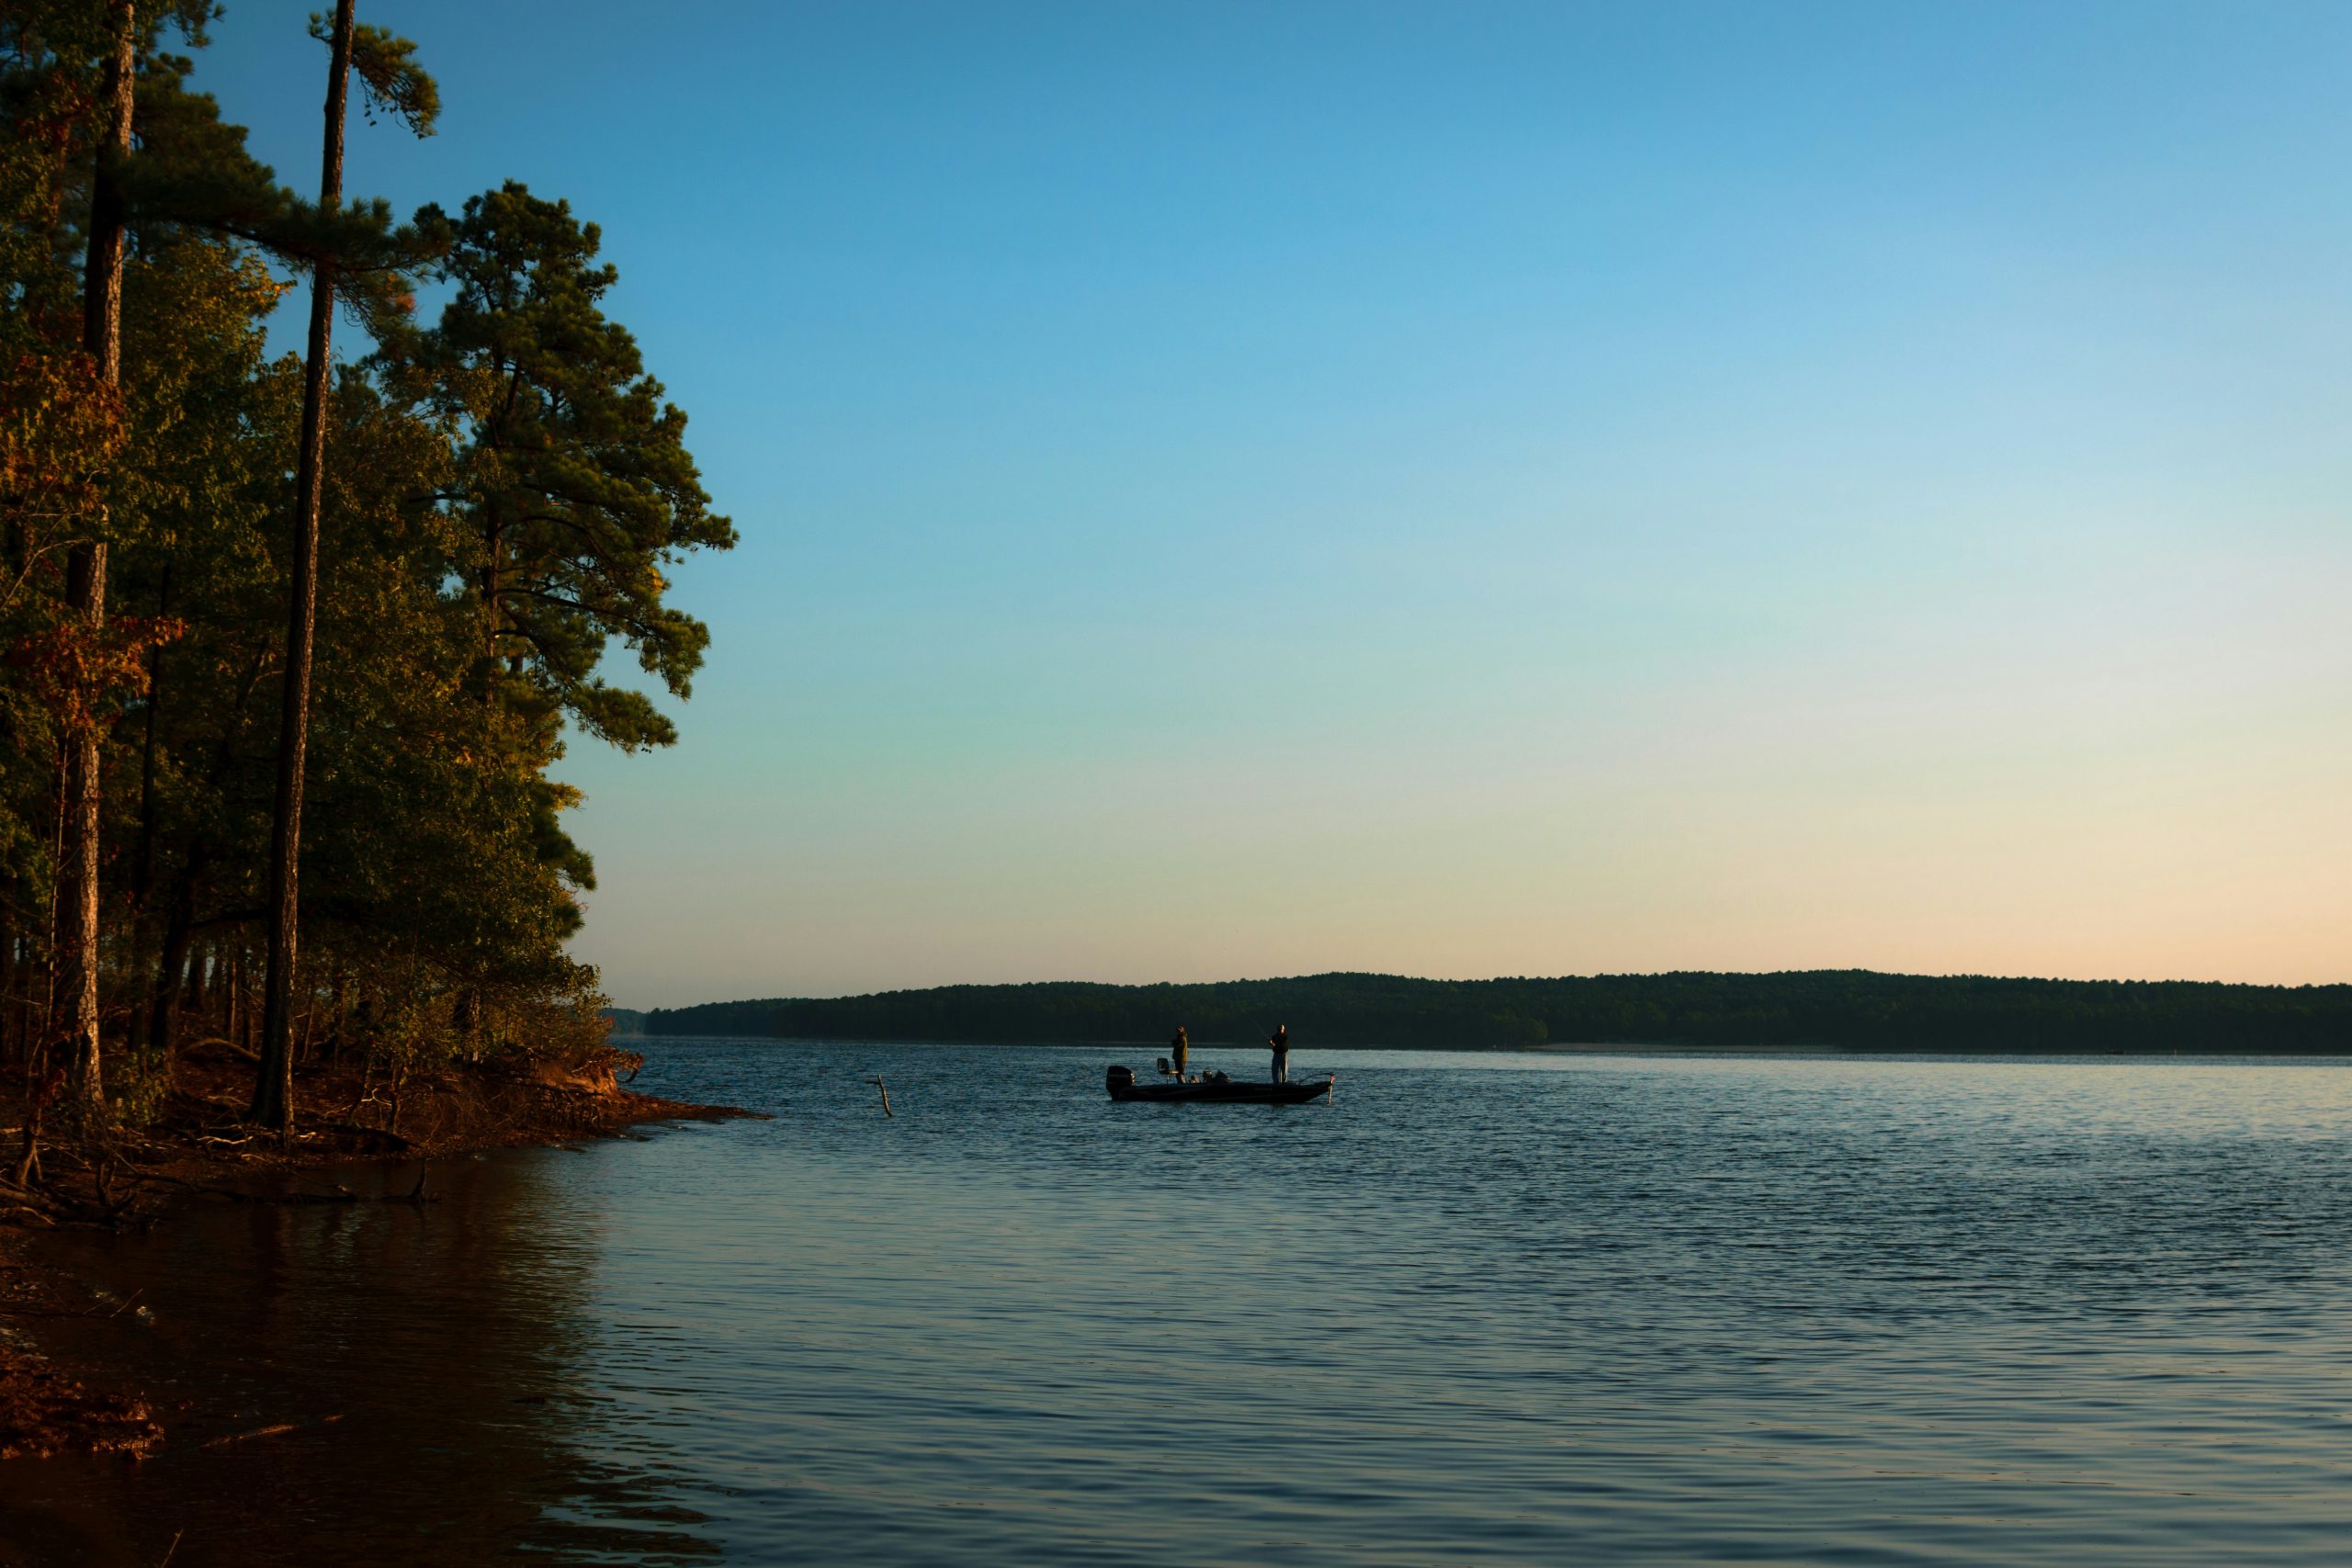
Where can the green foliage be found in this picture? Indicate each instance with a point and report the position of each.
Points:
(503, 493)
(572, 489)
(390, 80)
(139, 1084)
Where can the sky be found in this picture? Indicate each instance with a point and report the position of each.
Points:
(1455, 488)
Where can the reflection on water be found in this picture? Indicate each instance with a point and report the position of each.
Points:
(428, 1366)
(1489, 1309)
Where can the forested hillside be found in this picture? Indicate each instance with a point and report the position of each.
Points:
(1848, 1009)
(289, 641)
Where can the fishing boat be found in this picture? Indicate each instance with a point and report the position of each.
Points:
(1215, 1088)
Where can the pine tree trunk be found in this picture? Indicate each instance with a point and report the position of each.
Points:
(86, 597)
(171, 982)
(143, 860)
(203, 980)
(273, 1104)
(7, 995)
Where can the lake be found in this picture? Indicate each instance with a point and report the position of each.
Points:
(1528, 1308)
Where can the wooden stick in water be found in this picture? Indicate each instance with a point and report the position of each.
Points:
(886, 1097)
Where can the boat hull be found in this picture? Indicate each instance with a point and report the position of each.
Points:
(1227, 1093)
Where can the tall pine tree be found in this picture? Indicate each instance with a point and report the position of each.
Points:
(392, 79)
(573, 488)
(86, 589)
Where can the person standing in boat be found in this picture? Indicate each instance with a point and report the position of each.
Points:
(1177, 1049)
(1279, 1043)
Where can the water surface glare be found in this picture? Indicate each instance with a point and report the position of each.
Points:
(1479, 1309)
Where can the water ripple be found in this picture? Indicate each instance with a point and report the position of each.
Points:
(1479, 1309)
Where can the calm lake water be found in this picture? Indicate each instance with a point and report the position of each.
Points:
(1479, 1309)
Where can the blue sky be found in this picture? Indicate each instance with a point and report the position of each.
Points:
(1457, 489)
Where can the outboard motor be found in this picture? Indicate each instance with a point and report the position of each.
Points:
(1119, 1077)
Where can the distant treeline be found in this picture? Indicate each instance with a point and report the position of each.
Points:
(1841, 1009)
(625, 1020)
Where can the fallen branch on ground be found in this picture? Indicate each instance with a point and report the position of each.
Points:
(279, 1429)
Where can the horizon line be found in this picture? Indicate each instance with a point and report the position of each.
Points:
(1493, 979)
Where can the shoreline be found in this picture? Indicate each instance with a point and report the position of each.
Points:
(1978, 1052)
(198, 1151)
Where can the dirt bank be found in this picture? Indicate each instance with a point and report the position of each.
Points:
(198, 1149)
